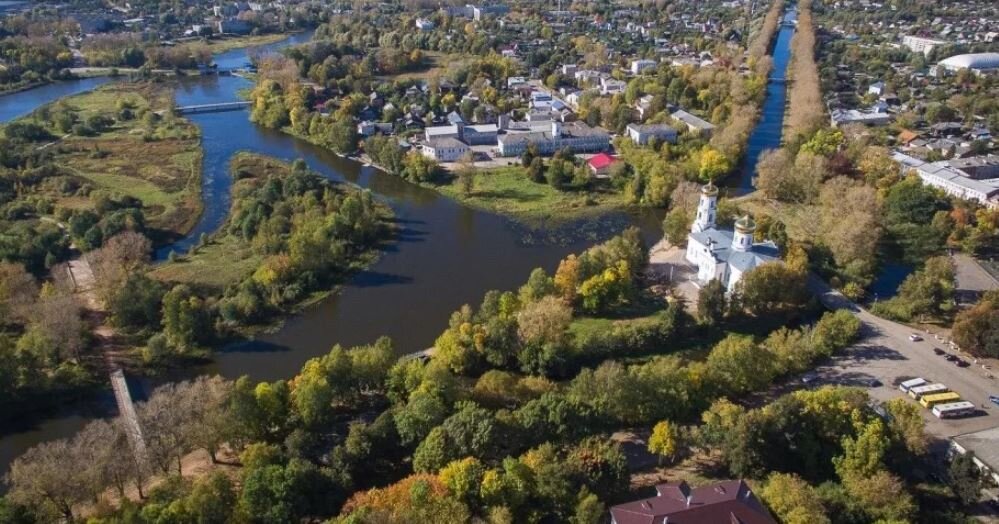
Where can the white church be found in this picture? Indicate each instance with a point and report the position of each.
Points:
(722, 254)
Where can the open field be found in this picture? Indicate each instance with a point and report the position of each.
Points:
(228, 43)
(436, 64)
(216, 265)
(156, 160)
(508, 191)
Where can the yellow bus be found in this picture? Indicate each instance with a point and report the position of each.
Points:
(928, 401)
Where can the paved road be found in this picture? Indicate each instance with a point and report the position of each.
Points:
(972, 280)
(886, 354)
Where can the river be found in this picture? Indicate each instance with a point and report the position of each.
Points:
(445, 255)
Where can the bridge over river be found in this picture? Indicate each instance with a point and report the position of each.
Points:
(212, 108)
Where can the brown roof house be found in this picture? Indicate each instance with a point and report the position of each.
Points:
(728, 502)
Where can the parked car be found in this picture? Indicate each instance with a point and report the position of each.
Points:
(915, 338)
(961, 363)
(938, 351)
(951, 358)
(994, 399)
(872, 383)
(808, 378)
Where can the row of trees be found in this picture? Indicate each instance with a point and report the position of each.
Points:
(806, 111)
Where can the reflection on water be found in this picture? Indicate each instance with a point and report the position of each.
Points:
(445, 255)
(768, 131)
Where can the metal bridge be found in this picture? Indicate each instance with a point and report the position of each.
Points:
(213, 108)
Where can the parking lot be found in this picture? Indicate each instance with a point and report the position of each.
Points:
(885, 354)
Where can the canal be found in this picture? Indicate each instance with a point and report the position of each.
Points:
(767, 133)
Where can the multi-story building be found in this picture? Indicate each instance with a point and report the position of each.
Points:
(641, 134)
(445, 149)
(575, 136)
(640, 66)
(975, 178)
(694, 124)
(919, 44)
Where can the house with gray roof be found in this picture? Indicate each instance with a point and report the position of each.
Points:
(694, 123)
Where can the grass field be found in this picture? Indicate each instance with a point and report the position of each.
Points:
(219, 263)
(436, 64)
(219, 45)
(508, 191)
(157, 161)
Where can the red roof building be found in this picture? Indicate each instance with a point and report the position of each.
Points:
(600, 164)
(729, 502)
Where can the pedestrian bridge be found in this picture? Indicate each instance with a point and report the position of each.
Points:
(212, 108)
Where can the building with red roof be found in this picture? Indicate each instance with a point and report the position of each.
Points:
(601, 163)
(728, 502)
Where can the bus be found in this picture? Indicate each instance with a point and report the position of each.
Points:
(954, 409)
(909, 384)
(929, 389)
(928, 401)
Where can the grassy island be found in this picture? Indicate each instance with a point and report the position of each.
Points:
(121, 141)
(290, 238)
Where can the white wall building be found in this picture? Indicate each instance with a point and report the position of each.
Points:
(722, 254)
(641, 134)
(445, 149)
(918, 44)
(975, 178)
(640, 66)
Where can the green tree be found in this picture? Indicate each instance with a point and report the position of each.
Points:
(965, 478)
(186, 323)
(712, 303)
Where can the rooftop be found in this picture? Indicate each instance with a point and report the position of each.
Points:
(677, 503)
(720, 241)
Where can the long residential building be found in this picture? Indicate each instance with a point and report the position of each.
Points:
(574, 136)
(975, 178)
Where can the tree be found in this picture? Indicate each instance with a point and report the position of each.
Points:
(463, 477)
(881, 496)
(711, 303)
(965, 478)
(863, 455)
(772, 288)
(18, 292)
(739, 364)
(544, 321)
(466, 174)
(676, 226)
(185, 319)
(976, 329)
(792, 500)
(713, 165)
(49, 477)
(664, 441)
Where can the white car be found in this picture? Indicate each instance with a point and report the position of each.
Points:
(915, 338)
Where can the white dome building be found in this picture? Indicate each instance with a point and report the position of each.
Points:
(977, 62)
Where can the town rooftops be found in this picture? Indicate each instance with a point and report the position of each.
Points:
(692, 121)
(652, 128)
(438, 143)
(677, 503)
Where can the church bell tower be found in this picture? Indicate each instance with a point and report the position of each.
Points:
(707, 209)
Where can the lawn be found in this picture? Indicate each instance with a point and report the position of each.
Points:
(220, 45)
(508, 191)
(436, 63)
(223, 261)
(157, 162)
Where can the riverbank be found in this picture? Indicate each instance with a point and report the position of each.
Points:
(508, 191)
(112, 142)
(247, 251)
